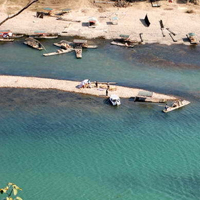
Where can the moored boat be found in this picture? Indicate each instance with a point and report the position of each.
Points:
(62, 43)
(44, 35)
(177, 104)
(59, 51)
(78, 51)
(115, 100)
(33, 43)
(122, 44)
(6, 40)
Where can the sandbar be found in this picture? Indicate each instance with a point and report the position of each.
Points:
(71, 86)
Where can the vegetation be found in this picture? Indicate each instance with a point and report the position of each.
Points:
(10, 192)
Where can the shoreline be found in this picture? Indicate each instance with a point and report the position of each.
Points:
(130, 22)
(71, 86)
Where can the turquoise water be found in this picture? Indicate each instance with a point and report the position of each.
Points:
(58, 145)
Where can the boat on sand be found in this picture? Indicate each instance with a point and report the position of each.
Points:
(192, 38)
(176, 105)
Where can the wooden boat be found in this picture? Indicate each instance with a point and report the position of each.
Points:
(33, 43)
(122, 44)
(44, 35)
(78, 50)
(87, 46)
(62, 43)
(192, 38)
(6, 40)
(59, 51)
(15, 36)
(176, 105)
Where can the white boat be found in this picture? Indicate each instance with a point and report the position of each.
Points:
(115, 100)
(59, 51)
(177, 104)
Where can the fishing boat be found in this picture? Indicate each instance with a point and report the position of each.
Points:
(59, 51)
(115, 100)
(89, 46)
(6, 40)
(122, 44)
(33, 43)
(8, 36)
(44, 35)
(176, 105)
(192, 38)
(62, 43)
(78, 51)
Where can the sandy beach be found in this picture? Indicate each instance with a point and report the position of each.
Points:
(130, 21)
(70, 86)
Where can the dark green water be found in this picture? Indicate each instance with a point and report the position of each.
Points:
(58, 145)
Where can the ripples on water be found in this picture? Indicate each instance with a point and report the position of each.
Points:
(59, 145)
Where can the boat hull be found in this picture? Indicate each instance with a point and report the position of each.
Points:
(183, 103)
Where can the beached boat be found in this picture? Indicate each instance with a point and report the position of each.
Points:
(33, 43)
(176, 105)
(44, 35)
(59, 51)
(115, 100)
(78, 51)
(192, 38)
(122, 44)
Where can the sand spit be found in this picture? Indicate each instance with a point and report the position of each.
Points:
(69, 86)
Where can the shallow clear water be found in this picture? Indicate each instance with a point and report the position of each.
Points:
(58, 145)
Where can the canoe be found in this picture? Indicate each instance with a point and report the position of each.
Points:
(46, 37)
(6, 40)
(33, 43)
(58, 52)
(78, 51)
(90, 46)
(178, 104)
(122, 44)
(59, 44)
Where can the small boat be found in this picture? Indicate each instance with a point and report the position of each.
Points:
(177, 104)
(59, 51)
(33, 43)
(122, 44)
(16, 35)
(192, 38)
(62, 43)
(78, 50)
(6, 40)
(115, 100)
(87, 46)
(44, 35)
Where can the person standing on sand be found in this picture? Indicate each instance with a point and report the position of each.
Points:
(106, 92)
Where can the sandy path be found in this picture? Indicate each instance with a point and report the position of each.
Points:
(68, 86)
